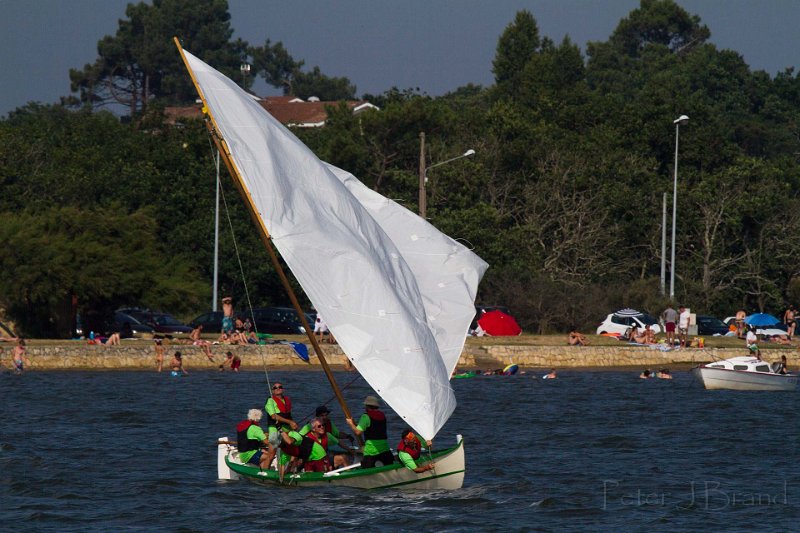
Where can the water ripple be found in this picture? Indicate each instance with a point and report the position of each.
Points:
(594, 451)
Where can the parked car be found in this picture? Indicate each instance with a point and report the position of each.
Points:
(280, 320)
(620, 321)
(120, 319)
(709, 325)
(163, 323)
(266, 320)
(211, 322)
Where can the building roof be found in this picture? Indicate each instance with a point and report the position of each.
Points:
(288, 110)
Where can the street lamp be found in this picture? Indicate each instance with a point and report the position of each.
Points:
(683, 119)
(245, 68)
(423, 172)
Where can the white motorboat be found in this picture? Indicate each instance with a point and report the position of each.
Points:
(743, 373)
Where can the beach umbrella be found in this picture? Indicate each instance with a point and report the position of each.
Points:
(499, 324)
(628, 312)
(761, 319)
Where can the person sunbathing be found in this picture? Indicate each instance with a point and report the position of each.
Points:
(649, 335)
(576, 338)
(780, 339)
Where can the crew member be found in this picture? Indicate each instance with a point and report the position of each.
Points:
(409, 450)
(312, 447)
(250, 440)
(372, 425)
(279, 418)
(323, 414)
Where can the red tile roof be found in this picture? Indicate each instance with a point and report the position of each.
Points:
(289, 110)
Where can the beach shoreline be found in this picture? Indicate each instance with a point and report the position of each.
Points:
(481, 354)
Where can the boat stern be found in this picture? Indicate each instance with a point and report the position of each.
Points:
(223, 449)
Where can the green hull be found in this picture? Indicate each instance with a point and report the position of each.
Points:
(448, 474)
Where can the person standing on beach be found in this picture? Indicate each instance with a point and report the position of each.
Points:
(683, 326)
(751, 341)
(788, 319)
(670, 318)
(159, 355)
(227, 315)
(320, 328)
(741, 314)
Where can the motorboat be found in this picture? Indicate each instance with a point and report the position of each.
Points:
(744, 373)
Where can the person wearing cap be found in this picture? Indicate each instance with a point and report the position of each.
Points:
(279, 417)
(372, 425)
(409, 450)
(323, 414)
(250, 440)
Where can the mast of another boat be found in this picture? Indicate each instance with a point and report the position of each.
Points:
(224, 152)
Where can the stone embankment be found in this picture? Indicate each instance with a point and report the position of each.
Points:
(620, 356)
(79, 356)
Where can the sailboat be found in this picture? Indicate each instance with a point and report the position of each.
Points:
(397, 293)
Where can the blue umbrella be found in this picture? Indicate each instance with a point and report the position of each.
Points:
(761, 319)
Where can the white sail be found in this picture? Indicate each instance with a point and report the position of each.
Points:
(446, 271)
(349, 268)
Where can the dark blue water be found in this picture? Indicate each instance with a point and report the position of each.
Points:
(595, 451)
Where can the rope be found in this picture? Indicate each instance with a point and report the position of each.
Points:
(241, 271)
(329, 400)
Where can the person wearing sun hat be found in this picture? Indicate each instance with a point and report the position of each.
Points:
(372, 425)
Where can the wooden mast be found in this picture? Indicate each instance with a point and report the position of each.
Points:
(222, 146)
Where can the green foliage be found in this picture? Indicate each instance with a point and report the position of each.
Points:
(279, 69)
(140, 63)
(103, 257)
(516, 45)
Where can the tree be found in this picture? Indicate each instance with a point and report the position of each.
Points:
(660, 22)
(103, 258)
(516, 45)
(315, 83)
(140, 63)
(274, 63)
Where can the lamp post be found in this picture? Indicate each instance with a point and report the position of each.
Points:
(663, 245)
(683, 119)
(245, 68)
(216, 239)
(423, 172)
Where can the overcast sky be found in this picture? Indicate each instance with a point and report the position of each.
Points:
(435, 45)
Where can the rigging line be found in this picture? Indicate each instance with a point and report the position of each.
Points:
(329, 400)
(241, 269)
(244, 284)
